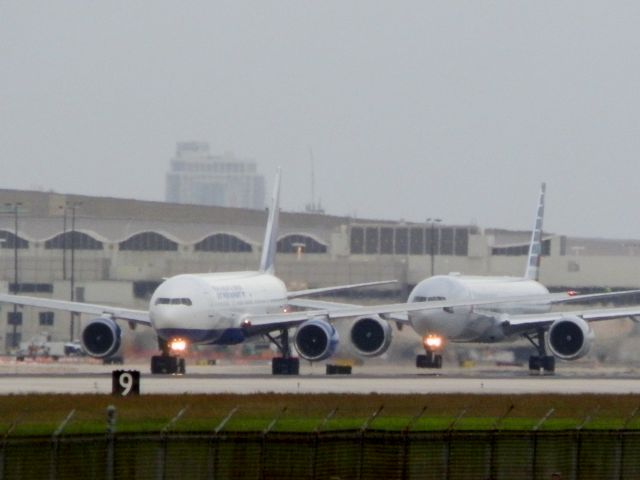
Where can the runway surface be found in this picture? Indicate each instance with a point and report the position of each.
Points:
(16, 378)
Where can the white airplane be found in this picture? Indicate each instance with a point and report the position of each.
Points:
(228, 308)
(568, 334)
(524, 310)
(193, 308)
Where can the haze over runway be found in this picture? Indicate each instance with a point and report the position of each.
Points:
(463, 107)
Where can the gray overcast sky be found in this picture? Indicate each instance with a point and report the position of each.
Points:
(413, 109)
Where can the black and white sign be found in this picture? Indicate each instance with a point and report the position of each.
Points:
(125, 382)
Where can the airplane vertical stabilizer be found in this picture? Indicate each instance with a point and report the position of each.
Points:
(267, 262)
(535, 246)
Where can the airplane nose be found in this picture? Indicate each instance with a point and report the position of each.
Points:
(163, 317)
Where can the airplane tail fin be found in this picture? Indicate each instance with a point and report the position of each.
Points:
(535, 246)
(267, 261)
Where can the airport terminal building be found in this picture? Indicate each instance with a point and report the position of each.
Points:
(116, 251)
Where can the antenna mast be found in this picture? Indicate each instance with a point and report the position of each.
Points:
(313, 207)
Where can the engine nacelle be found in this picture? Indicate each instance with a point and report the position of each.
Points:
(570, 338)
(101, 337)
(316, 340)
(371, 336)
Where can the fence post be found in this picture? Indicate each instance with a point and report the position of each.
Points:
(447, 450)
(162, 451)
(111, 429)
(578, 443)
(405, 447)
(263, 445)
(213, 447)
(53, 468)
(3, 446)
(621, 442)
(316, 444)
(492, 442)
(364, 427)
(534, 454)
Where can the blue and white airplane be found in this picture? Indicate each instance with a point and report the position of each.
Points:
(228, 308)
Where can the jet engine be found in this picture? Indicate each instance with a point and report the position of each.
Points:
(101, 337)
(316, 340)
(570, 338)
(371, 336)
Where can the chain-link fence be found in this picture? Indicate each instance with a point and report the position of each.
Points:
(357, 454)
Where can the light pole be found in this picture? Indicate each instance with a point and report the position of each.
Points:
(432, 241)
(64, 241)
(3, 242)
(72, 279)
(16, 286)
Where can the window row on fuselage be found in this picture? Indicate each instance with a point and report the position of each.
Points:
(428, 299)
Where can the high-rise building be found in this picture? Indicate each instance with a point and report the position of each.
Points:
(198, 177)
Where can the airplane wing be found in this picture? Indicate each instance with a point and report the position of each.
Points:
(135, 316)
(515, 324)
(314, 291)
(329, 311)
(308, 303)
(549, 298)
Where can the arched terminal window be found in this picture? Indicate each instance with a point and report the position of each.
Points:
(149, 241)
(76, 240)
(223, 242)
(9, 240)
(292, 244)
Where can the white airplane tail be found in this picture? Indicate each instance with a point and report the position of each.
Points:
(535, 246)
(267, 261)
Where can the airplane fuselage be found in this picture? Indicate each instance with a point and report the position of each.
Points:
(209, 308)
(472, 324)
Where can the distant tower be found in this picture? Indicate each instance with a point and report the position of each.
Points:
(313, 207)
(197, 177)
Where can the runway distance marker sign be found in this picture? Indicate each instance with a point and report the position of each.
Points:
(125, 383)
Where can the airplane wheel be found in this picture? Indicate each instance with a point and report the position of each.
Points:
(534, 363)
(437, 361)
(429, 361)
(338, 369)
(549, 364)
(285, 366)
(422, 361)
(165, 364)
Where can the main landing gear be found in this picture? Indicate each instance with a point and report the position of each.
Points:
(166, 363)
(542, 361)
(285, 365)
(431, 359)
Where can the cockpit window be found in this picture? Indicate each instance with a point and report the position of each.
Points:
(419, 299)
(174, 301)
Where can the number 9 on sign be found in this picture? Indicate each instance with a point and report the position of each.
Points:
(125, 383)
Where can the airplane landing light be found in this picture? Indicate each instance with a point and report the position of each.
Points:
(178, 345)
(432, 341)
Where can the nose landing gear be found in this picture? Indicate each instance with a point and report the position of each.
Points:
(167, 363)
(431, 359)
